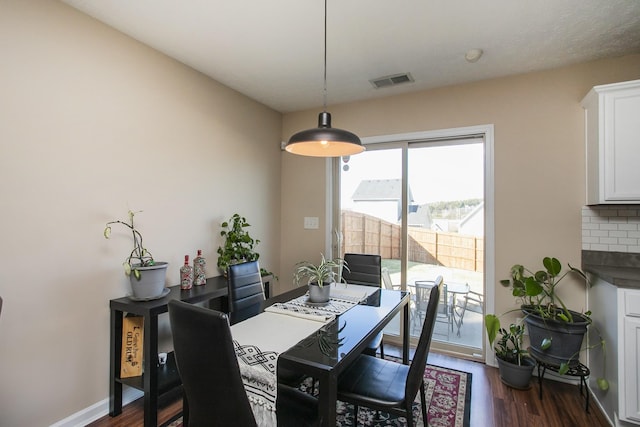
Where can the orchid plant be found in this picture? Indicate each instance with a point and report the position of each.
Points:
(139, 254)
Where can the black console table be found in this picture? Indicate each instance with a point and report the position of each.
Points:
(155, 380)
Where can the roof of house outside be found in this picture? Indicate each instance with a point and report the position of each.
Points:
(379, 190)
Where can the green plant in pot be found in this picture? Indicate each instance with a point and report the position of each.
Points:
(514, 363)
(238, 244)
(319, 277)
(147, 277)
(555, 332)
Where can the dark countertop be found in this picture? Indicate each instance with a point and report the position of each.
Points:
(621, 269)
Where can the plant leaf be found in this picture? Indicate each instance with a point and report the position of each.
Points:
(532, 287)
(492, 324)
(545, 344)
(603, 384)
(107, 232)
(564, 368)
(552, 265)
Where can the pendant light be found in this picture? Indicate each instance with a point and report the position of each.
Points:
(324, 141)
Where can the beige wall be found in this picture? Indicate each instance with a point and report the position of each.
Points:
(539, 159)
(93, 123)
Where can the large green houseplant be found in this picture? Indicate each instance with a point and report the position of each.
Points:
(147, 276)
(555, 332)
(238, 244)
(319, 276)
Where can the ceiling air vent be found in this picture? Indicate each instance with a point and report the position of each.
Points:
(393, 80)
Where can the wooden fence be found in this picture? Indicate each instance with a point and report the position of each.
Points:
(370, 235)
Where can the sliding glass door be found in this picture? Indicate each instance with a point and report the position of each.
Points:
(420, 205)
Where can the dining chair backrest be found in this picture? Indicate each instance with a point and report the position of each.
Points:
(246, 292)
(208, 367)
(419, 362)
(363, 269)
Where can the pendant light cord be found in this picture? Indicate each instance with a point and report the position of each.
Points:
(325, 58)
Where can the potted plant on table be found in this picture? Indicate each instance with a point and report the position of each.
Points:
(147, 276)
(238, 244)
(555, 332)
(319, 277)
(514, 363)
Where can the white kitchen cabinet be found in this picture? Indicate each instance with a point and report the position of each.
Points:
(616, 315)
(612, 114)
(630, 406)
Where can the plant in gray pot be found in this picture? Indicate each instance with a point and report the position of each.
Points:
(514, 363)
(555, 332)
(319, 277)
(147, 277)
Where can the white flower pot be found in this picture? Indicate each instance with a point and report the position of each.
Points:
(151, 283)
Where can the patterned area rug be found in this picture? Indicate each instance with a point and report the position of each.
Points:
(448, 400)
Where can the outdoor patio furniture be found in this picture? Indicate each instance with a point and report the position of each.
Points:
(472, 301)
(444, 315)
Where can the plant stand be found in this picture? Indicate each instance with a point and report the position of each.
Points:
(579, 370)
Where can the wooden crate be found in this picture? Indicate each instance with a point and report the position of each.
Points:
(132, 346)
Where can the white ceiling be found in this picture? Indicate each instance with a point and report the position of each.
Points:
(272, 51)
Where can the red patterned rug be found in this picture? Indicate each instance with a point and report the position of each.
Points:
(448, 397)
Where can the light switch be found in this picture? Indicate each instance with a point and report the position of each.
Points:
(311, 222)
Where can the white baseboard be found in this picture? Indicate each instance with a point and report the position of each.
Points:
(97, 410)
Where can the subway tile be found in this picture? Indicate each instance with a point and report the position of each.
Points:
(628, 242)
(627, 227)
(617, 233)
(608, 226)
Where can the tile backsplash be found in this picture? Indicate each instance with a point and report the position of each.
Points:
(612, 228)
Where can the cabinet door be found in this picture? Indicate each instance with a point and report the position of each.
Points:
(630, 396)
(622, 145)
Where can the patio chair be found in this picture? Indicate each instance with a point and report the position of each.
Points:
(444, 315)
(472, 301)
(386, 280)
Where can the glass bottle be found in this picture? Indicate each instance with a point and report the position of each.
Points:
(186, 274)
(199, 275)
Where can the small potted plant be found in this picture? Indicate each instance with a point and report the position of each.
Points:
(238, 244)
(555, 332)
(514, 363)
(147, 277)
(319, 277)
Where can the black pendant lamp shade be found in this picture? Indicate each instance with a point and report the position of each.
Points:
(324, 141)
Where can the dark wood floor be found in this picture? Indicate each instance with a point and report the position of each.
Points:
(492, 403)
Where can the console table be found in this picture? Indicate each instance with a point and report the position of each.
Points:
(155, 380)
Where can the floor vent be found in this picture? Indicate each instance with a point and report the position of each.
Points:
(393, 80)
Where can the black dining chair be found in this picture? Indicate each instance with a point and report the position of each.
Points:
(391, 386)
(365, 269)
(213, 387)
(246, 293)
